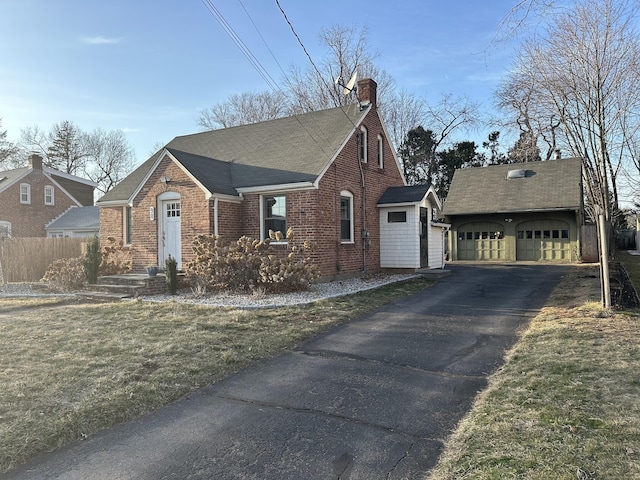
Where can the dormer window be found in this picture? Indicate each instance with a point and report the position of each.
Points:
(25, 193)
(48, 195)
(363, 144)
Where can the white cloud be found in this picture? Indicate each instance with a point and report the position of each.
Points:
(100, 40)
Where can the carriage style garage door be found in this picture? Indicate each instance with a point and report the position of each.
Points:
(543, 240)
(481, 241)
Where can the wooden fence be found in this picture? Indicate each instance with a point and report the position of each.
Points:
(27, 259)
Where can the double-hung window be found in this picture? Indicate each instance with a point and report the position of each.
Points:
(363, 150)
(346, 217)
(25, 193)
(48, 195)
(274, 214)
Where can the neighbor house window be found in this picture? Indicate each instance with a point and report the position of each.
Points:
(48, 195)
(25, 193)
(128, 225)
(380, 152)
(363, 145)
(274, 214)
(5, 229)
(397, 217)
(346, 217)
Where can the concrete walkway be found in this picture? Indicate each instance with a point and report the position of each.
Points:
(372, 399)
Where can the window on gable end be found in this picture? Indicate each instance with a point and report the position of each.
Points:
(380, 152)
(128, 225)
(25, 193)
(274, 214)
(346, 217)
(48, 195)
(363, 144)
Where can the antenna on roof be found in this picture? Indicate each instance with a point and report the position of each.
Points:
(350, 86)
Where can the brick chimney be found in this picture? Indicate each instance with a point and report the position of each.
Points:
(35, 162)
(367, 89)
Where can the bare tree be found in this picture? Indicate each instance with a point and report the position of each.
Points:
(109, 157)
(33, 140)
(244, 108)
(451, 115)
(102, 156)
(402, 113)
(309, 89)
(583, 73)
(8, 151)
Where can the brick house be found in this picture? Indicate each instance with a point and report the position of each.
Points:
(35, 195)
(319, 173)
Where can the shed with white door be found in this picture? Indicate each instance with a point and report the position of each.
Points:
(411, 237)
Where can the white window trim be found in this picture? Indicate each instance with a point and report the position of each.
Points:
(351, 240)
(363, 148)
(28, 191)
(264, 234)
(380, 152)
(53, 200)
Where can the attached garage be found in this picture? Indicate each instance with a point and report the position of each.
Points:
(521, 212)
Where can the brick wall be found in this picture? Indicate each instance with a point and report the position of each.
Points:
(313, 214)
(195, 214)
(29, 220)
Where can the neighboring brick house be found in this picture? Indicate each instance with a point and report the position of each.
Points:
(319, 173)
(525, 211)
(33, 196)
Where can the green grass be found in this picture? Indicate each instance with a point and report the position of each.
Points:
(566, 405)
(71, 370)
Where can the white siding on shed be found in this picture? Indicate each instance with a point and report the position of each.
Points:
(400, 242)
(436, 247)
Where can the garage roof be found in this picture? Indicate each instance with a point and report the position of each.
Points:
(523, 187)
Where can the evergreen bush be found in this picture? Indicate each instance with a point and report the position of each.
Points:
(171, 273)
(92, 259)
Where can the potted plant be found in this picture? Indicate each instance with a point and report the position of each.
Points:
(152, 270)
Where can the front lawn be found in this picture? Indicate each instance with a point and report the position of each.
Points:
(71, 370)
(567, 403)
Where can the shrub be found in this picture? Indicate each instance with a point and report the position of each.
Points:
(66, 274)
(251, 265)
(92, 259)
(171, 271)
(116, 259)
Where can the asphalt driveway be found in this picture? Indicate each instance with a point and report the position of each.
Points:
(372, 399)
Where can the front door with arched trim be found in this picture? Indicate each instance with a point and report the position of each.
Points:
(170, 228)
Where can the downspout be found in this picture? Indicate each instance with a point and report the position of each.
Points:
(215, 218)
(364, 234)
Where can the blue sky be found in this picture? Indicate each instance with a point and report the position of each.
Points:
(149, 67)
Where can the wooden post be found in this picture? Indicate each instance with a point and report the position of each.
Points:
(604, 263)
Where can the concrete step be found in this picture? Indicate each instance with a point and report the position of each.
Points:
(129, 289)
(126, 279)
(94, 296)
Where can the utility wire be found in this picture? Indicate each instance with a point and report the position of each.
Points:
(240, 44)
(293, 30)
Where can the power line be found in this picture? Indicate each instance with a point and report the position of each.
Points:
(293, 30)
(240, 44)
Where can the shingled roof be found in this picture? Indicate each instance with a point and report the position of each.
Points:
(282, 151)
(523, 187)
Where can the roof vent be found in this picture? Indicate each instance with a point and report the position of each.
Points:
(516, 173)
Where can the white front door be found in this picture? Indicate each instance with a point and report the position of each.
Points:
(170, 232)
